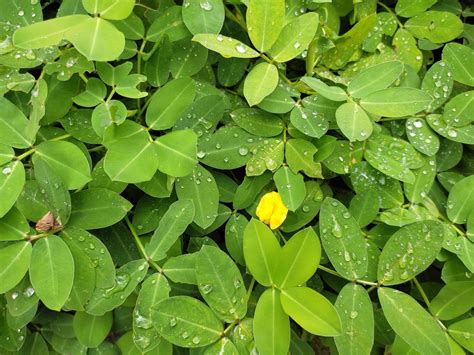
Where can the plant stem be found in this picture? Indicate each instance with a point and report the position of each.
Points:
(422, 292)
(335, 273)
(249, 291)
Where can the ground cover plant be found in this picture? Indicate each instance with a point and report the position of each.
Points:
(236, 177)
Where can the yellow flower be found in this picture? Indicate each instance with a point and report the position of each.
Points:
(271, 210)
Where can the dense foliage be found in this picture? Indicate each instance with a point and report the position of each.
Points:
(236, 177)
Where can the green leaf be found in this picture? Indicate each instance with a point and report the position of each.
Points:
(188, 58)
(271, 326)
(13, 226)
(409, 252)
(221, 284)
(12, 180)
(56, 194)
(333, 93)
(396, 102)
(132, 160)
(354, 123)
(257, 122)
(364, 207)
(262, 252)
(181, 269)
(177, 152)
(457, 111)
(223, 346)
(67, 161)
(299, 259)
(203, 16)
(91, 330)
(460, 203)
(6, 154)
(13, 126)
(169, 102)
(462, 332)
(97, 208)
(186, 322)
(260, 82)
(342, 239)
(265, 20)
(412, 323)
(52, 271)
(299, 154)
(107, 114)
(290, 186)
(456, 134)
(228, 47)
(169, 23)
(438, 82)
(422, 137)
(93, 95)
(459, 58)
(126, 280)
(154, 289)
(172, 225)
(375, 78)
(97, 39)
(47, 33)
(436, 26)
(408, 8)
(357, 319)
(14, 263)
(312, 311)
(110, 9)
(295, 37)
(424, 178)
(200, 187)
(234, 237)
(453, 300)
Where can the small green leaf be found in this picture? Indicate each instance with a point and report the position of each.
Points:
(14, 263)
(265, 20)
(258, 122)
(299, 154)
(186, 322)
(177, 152)
(460, 203)
(13, 226)
(13, 126)
(262, 252)
(110, 9)
(220, 283)
(436, 26)
(333, 93)
(260, 82)
(200, 187)
(226, 46)
(412, 323)
(181, 269)
(271, 326)
(457, 111)
(459, 58)
(290, 186)
(462, 332)
(172, 225)
(92, 330)
(12, 180)
(299, 259)
(312, 311)
(408, 8)
(354, 123)
(453, 300)
(409, 251)
(52, 271)
(203, 17)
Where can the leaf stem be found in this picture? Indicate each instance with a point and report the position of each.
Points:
(335, 273)
(250, 289)
(422, 292)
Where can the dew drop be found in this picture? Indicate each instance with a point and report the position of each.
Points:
(240, 48)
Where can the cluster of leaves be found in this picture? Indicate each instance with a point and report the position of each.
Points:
(137, 138)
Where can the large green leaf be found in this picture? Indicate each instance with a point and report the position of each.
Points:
(265, 19)
(299, 259)
(412, 323)
(396, 102)
(460, 58)
(169, 102)
(436, 26)
(342, 239)
(271, 326)
(463, 333)
(453, 300)
(97, 208)
(177, 152)
(460, 203)
(52, 271)
(97, 39)
(221, 284)
(262, 252)
(312, 311)
(186, 322)
(14, 263)
(409, 251)
(203, 16)
(92, 330)
(172, 225)
(67, 161)
(200, 187)
(355, 310)
(12, 180)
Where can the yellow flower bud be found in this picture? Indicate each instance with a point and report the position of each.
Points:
(271, 210)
